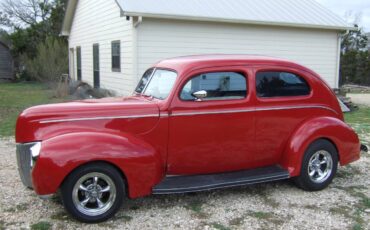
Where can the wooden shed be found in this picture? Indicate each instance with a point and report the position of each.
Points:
(6, 63)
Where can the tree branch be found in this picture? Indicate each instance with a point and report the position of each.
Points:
(26, 12)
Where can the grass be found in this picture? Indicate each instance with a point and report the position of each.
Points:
(60, 216)
(195, 206)
(262, 215)
(357, 227)
(362, 115)
(237, 221)
(2, 225)
(342, 211)
(360, 121)
(348, 171)
(15, 97)
(268, 200)
(126, 218)
(42, 225)
(219, 226)
(266, 217)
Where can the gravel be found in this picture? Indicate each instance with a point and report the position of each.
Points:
(279, 205)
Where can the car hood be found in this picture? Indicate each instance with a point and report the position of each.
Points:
(115, 114)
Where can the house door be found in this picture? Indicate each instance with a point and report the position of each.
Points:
(79, 69)
(96, 66)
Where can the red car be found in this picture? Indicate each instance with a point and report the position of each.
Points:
(194, 123)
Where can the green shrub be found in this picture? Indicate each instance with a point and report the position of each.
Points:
(50, 62)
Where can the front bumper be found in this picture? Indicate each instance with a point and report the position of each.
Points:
(25, 163)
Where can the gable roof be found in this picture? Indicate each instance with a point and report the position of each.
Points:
(292, 13)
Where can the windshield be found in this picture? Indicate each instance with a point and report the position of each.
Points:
(158, 84)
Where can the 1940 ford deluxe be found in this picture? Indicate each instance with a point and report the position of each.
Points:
(194, 123)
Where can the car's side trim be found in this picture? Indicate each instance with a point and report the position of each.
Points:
(98, 118)
(175, 114)
(164, 115)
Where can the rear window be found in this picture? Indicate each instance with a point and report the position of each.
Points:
(281, 84)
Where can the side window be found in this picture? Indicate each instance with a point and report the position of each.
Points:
(219, 86)
(144, 81)
(280, 84)
(116, 56)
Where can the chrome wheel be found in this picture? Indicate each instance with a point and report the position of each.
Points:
(94, 194)
(320, 166)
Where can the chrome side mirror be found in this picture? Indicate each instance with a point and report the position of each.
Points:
(200, 95)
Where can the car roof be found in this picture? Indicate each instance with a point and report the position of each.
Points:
(204, 61)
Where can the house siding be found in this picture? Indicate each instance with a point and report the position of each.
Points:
(100, 22)
(159, 39)
(6, 63)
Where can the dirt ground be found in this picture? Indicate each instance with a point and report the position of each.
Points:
(279, 205)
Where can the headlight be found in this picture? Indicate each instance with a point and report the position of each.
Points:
(35, 152)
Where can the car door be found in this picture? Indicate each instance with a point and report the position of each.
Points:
(215, 134)
(283, 101)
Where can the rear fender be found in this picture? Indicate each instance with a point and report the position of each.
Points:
(336, 131)
(140, 163)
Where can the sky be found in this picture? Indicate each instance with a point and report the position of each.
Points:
(340, 7)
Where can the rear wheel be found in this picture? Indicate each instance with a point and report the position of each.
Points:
(93, 193)
(319, 166)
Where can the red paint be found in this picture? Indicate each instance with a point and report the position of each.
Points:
(146, 146)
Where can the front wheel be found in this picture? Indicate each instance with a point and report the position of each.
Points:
(93, 193)
(319, 166)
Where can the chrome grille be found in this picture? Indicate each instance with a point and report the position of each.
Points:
(24, 163)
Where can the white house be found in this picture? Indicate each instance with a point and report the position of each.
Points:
(112, 42)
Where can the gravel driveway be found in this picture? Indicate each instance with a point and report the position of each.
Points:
(280, 205)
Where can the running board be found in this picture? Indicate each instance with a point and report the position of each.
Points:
(196, 183)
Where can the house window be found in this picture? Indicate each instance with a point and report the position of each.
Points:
(280, 84)
(219, 86)
(116, 56)
(79, 70)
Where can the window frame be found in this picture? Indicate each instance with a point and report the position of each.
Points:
(116, 69)
(149, 77)
(242, 73)
(286, 70)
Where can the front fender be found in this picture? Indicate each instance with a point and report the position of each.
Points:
(139, 162)
(339, 133)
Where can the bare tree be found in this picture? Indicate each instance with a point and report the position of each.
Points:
(25, 12)
(4, 21)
